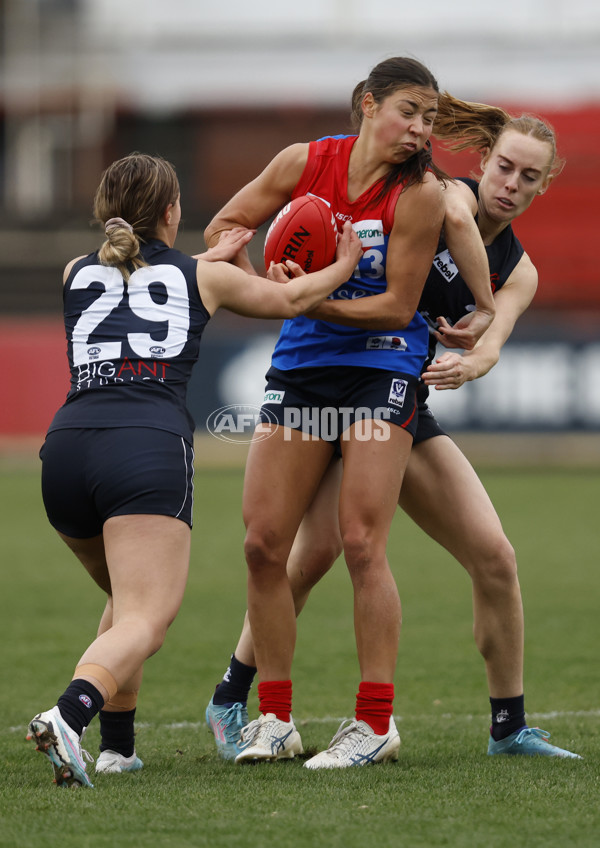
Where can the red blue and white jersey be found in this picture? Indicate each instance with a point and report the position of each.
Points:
(132, 345)
(304, 342)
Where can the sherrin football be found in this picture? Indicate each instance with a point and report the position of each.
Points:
(304, 231)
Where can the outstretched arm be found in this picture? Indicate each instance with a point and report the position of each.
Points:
(222, 285)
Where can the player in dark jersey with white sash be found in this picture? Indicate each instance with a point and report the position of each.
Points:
(441, 491)
(117, 463)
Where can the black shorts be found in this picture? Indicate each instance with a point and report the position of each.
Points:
(427, 425)
(91, 475)
(324, 402)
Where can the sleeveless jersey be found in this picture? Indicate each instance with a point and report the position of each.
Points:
(446, 293)
(304, 342)
(132, 345)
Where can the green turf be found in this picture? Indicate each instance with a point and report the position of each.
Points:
(444, 791)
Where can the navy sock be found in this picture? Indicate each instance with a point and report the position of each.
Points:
(116, 732)
(236, 683)
(79, 704)
(508, 716)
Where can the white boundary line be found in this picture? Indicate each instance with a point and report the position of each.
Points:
(196, 725)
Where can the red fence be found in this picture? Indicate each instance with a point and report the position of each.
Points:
(35, 374)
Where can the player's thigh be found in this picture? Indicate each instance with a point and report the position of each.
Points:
(372, 476)
(148, 561)
(282, 476)
(321, 519)
(442, 493)
(318, 542)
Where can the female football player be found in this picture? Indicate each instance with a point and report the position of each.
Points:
(440, 490)
(118, 459)
(362, 364)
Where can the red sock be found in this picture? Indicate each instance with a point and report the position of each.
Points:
(374, 705)
(275, 696)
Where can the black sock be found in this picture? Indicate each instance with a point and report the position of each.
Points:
(79, 704)
(116, 732)
(236, 683)
(508, 716)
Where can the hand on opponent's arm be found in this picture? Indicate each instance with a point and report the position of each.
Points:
(228, 246)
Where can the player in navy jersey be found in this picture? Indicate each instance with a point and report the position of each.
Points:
(349, 377)
(519, 161)
(117, 463)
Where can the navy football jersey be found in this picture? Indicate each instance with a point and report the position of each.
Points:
(446, 294)
(132, 345)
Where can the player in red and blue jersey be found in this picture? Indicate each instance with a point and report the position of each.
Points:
(440, 489)
(117, 463)
(332, 376)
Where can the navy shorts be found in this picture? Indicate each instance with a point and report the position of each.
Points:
(91, 475)
(324, 402)
(427, 425)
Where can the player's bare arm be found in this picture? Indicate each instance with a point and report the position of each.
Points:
(220, 285)
(464, 242)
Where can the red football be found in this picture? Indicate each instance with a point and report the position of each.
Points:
(304, 231)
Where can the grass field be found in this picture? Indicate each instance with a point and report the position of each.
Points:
(444, 791)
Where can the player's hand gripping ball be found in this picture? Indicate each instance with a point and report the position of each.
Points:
(303, 231)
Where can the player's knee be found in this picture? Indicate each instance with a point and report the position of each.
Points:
(498, 566)
(151, 632)
(361, 551)
(262, 553)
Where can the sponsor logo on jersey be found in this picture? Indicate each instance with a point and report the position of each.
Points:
(370, 232)
(444, 263)
(397, 394)
(386, 343)
(273, 397)
(157, 350)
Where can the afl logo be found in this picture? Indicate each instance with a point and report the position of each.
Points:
(94, 352)
(241, 423)
(157, 350)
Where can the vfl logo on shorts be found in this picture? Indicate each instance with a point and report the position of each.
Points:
(386, 343)
(444, 263)
(398, 391)
(273, 397)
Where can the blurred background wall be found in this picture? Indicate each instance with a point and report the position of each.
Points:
(218, 89)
